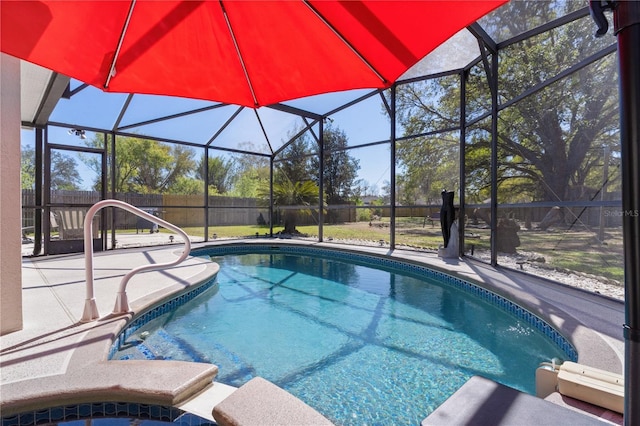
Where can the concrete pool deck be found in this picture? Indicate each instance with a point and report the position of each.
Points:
(56, 360)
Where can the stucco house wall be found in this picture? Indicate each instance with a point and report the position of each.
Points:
(10, 208)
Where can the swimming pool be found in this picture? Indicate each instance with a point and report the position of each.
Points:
(364, 340)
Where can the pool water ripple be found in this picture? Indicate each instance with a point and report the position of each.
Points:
(362, 345)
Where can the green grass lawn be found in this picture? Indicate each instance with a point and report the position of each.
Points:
(565, 249)
(579, 251)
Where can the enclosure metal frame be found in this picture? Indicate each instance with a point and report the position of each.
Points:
(489, 49)
(627, 19)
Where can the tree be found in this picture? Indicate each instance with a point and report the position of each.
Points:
(249, 182)
(430, 164)
(186, 186)
(161, 167)
(549, 143)
(252, 173)
(340, 169)
(221, 174)
(64, 172)
(147, 166)
(27, 168)
(287, 194)
(295, 164)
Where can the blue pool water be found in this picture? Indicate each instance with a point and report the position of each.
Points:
(362, 345)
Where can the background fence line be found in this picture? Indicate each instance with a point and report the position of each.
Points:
(188, 210)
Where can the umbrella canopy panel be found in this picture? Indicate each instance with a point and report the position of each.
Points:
(249, 53)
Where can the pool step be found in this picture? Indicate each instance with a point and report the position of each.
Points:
(162, 342)
(236, 370)
(261, 402)
(202, 403)
(182, 346)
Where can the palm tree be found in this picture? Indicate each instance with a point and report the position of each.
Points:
(293, 194)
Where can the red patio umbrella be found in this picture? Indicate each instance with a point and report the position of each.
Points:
(249, 53)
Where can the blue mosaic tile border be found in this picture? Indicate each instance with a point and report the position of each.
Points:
(376, 261)
(477, 291)
(75, 412)
(157, 311)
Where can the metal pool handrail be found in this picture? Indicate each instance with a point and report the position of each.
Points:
(122, 306)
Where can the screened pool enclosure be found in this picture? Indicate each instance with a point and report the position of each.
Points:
(518, 115)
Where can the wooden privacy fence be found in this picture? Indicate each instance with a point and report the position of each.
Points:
(223, 211)
(182, 210)
(188, 210)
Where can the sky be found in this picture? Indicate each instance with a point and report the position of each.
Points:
(363, 123)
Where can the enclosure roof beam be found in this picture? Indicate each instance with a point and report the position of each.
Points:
(297, 135)
(542, 85)
(353, 102)
(264, 131)
(224, 126)
(78, 89)
(123, 110)
(239, 151)
(481, 34)
(172, 116)
(158, 139)
(585, 62)
(432, 76)
(563, 20)
(295, 111)
(386, 103)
